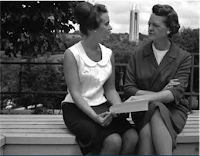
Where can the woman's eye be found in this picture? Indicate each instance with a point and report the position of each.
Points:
(106, 24)
(155, 25)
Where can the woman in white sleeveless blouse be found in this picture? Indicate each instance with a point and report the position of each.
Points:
(90, 77)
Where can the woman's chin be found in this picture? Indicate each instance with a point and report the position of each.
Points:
(107, 37)
(150, 37)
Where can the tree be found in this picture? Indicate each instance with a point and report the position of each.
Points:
(31, 27)
(42, 78)
(188, 39)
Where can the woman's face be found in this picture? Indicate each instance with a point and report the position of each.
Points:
(157, 28)
(104, 29)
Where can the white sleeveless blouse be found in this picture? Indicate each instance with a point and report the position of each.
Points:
(92, 75)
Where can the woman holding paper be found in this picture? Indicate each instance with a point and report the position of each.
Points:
(90, 77)
(158, 71)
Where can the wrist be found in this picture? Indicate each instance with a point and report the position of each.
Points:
(94, 117)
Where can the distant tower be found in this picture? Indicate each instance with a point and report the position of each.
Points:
(134, 24)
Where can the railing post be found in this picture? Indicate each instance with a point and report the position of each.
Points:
(20, 83)
(20, 80)
(191, 82)
(121, 80)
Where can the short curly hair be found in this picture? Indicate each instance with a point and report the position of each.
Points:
(171, 17)
(89, 16)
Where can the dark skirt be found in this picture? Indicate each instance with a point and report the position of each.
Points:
(90, 134)
(174, 119)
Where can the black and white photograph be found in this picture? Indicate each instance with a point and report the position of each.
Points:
(99, 77)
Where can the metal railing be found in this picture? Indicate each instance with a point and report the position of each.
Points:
(21, 64)
(120, 70)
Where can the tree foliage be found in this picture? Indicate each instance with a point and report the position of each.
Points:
(34, 78)
(43, 78)
(31, 27)
(188, 39)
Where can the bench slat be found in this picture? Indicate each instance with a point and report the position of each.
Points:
(12, 116)
(58, 126)
(44, 130)
(35, 138)
(3, 121)
(192, 122)
(188, 137)
(191, 126)
(34, 126)
(190, 130)
(33, 123)
(32, 119)
(193, 118)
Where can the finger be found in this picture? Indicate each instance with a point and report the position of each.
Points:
(173, 80)
(169, 87)
(114, 114)
(108, 121)
(105, 123)
(174, 84)
(105, 114)
(177, 83)
(107, 118)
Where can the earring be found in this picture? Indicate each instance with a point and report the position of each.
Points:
(95, 31)
(168, 32)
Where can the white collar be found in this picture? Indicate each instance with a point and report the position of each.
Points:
(90, 62)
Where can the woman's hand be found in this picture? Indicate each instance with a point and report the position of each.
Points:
(104, 119)
(172, 83)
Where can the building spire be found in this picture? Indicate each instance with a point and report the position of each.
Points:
(134, 24)
(134, 7)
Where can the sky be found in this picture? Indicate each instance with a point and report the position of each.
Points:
(119, 13)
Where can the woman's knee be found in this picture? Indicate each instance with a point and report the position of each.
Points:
(156, 118)
(130, 136)
(113, 141)
(89, 130)
(145, 132)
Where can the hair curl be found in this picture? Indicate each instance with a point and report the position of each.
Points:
(171, 20)
(89, 16)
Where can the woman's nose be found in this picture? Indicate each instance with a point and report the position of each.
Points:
(110, 28)
(150, 27)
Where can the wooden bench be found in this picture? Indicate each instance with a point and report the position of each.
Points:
(48, 135)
